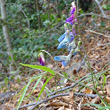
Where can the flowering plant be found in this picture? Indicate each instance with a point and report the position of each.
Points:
(67, 40)
(41, 58)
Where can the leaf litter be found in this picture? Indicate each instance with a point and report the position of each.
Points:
(98, 52)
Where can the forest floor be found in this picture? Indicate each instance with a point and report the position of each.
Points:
(95, 34)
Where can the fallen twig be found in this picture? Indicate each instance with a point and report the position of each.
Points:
(103, 44)
(68, 87)
(102, 11)
(83, 61)
(108, 36)
(55, 96)
(77, 82)
(64, 94)
(88, 14)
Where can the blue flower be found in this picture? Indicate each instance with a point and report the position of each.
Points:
(65, 63)
(64, 59)
(71, 45)
(62, 37)
(77, 48)
(64, 43)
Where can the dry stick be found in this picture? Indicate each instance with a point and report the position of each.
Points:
(88, 14)
(81, 64)
(102, 11)
(68, 87)
(55, 96)
(77, 82)
(108, 36)
(58, 95)
(103, 44)
(28, 22)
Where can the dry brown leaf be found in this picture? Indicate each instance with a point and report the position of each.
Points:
(95, 100)
(71, 97)
(88, 91)
(5, 107)
(58, 103)
(84, 100)
(107, 99)
(86, 108)
(63, 108)
(102, 92)
(35, 92)
(66, 98)
(108, 89)
(71, 94)
(50, 66)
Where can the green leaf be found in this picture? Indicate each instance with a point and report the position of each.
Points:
(25, 90)
(65, 74)
(23, 94)
(104, 80)
(35, 86)
(104, 6)
(98, 106)
(40, 67)
(43, 87)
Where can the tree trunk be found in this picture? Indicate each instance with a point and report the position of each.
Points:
(38, 10)
(6, 34)
(58, 11)
(49, 10)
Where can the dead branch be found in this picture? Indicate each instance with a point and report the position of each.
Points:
(55, 96)
(82, 63)
(64, 94)
(88, 14)
(68, 87)
(102, 11)
(98, 33)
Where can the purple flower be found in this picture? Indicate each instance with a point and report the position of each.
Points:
(70, 19)
(73, 10)
(42, 62)
(74, 32)
(41, 59)
(72, 37)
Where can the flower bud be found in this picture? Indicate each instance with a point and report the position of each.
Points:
(41, 58)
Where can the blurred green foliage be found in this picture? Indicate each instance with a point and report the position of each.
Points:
(27, 38)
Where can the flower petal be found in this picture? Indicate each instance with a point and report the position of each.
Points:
(58, 58)
(75, 53)
(62, 37)
(70, 19)
(73, 10)
(74, 32)
(42, 61)
(65, 63)
(72, 37)
(62, 45)
(71, 45)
